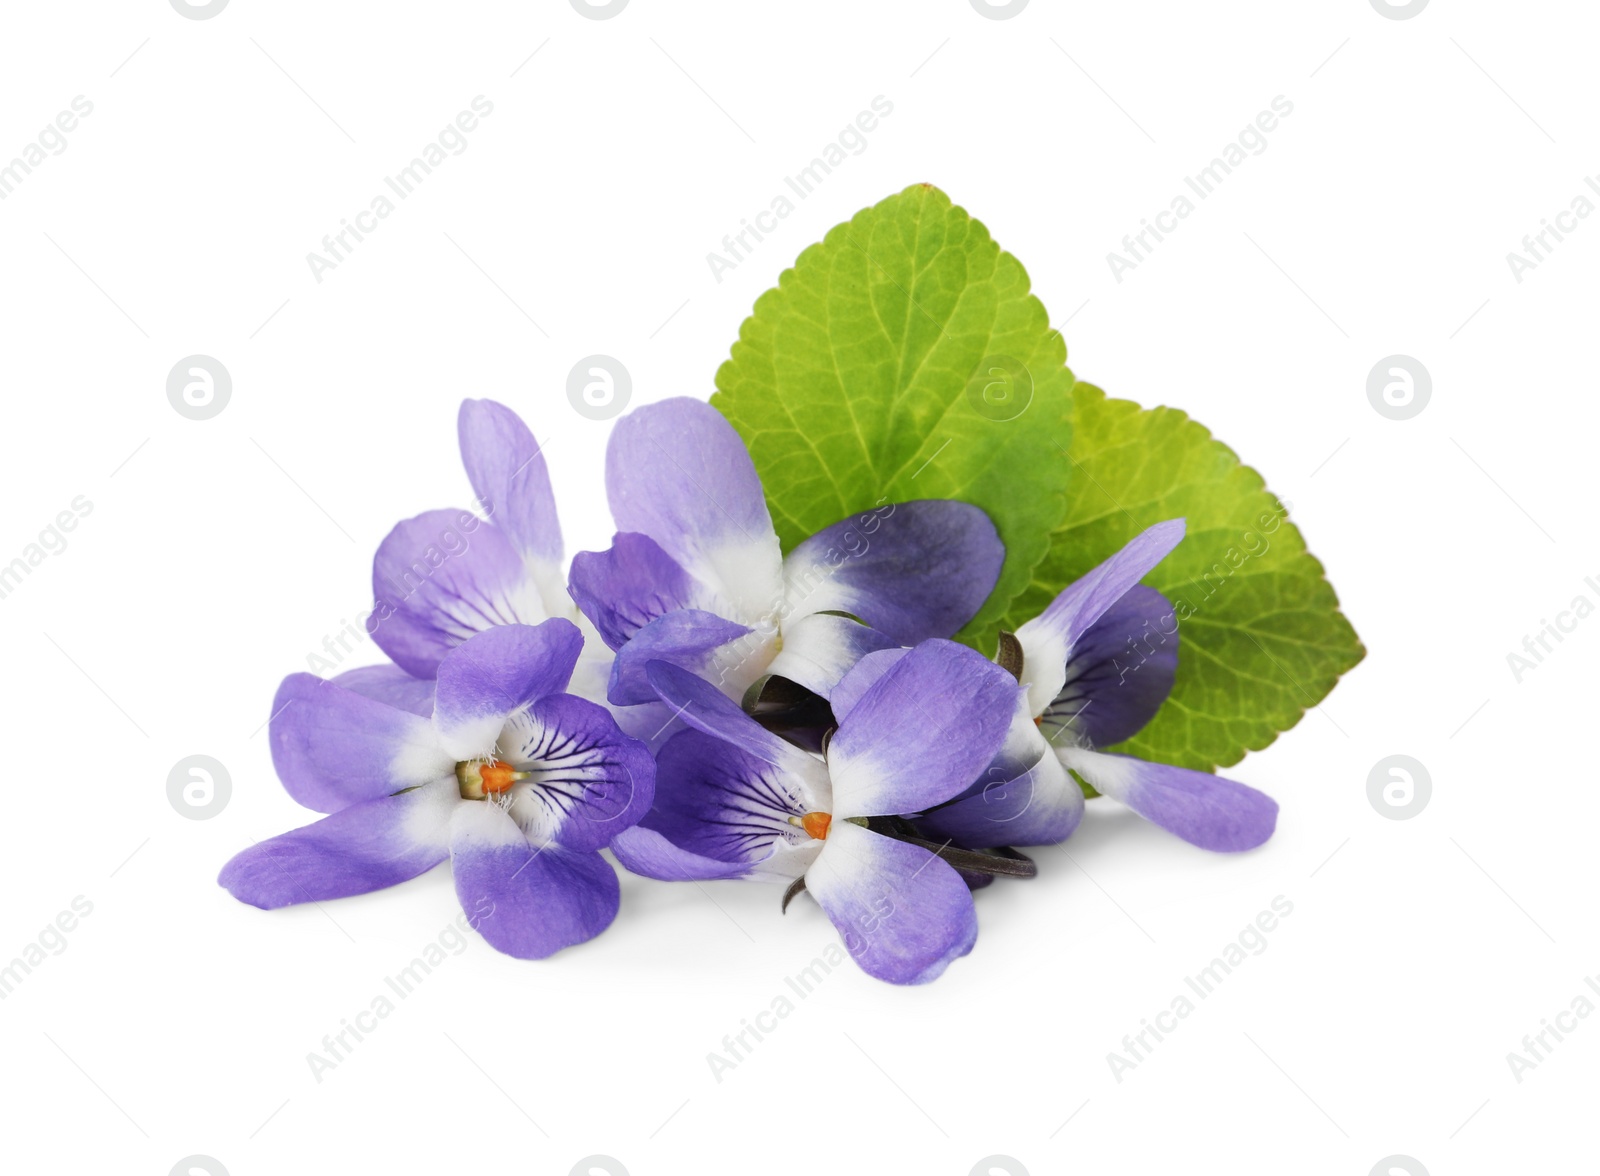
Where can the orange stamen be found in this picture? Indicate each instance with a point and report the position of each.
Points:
(497, 775)
(817, 824)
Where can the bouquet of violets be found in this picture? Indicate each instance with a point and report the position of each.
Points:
(881, 711)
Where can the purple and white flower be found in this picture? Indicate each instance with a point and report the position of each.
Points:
(493, 766)
(1096, 665)
(695, 576)
(735, 801)
(446, 574)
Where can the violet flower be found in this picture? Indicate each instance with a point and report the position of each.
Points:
(446, 574)
(518, 783)
(735, 801)
(695, 576)
(1094, 668)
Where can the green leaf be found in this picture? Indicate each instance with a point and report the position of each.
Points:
(1260, 634)
(869, 375)
(853, 383)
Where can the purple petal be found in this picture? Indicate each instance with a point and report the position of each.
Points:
(334, 748)
(688, 637)
(441, 577)
(903, 913)
(818, 650)
(677, 472)
(392, 685)
(1205, 810)
(1119, 673)
(717, 801)
(708, 710)
(626, 587)
(527, 901)
(1025, 797)
(590, 780)
(912, 571)
(860, 679)
(360, 849)
(499, 671)
(1048, 639)
(646, 852)
(507, 472)
(921, 733)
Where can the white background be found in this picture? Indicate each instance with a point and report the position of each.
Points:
(220, 553)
